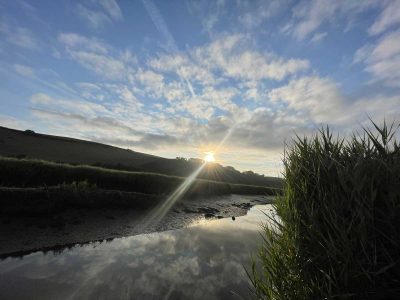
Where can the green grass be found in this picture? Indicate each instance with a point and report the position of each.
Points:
(37, 173)
(338, 233)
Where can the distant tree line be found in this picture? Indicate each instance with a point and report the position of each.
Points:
(181, 166)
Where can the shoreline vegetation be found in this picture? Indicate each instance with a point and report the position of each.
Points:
(338, 232)
(30, 186)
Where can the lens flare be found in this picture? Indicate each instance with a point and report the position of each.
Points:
(209, 158)
(159, 212)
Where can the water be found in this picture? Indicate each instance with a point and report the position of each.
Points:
(202, 262)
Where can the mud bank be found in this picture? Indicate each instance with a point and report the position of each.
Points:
(23, 235)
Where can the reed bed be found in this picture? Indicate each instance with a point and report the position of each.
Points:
(338, 231)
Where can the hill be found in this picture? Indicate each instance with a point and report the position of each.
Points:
(28, 144)
(61, 149)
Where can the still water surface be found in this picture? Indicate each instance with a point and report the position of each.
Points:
(202, 262)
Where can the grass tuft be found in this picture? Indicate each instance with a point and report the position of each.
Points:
(338, 232)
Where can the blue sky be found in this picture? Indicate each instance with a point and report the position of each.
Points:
(180, 78)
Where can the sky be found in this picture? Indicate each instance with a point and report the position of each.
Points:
(181, 78)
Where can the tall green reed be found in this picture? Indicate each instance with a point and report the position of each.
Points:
(338, 233)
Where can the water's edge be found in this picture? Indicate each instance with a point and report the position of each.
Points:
(22, 236)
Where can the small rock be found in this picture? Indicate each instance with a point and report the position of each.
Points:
(220, 217)
(110, 217)
(233, 218)
(190, 211)
(208, 215)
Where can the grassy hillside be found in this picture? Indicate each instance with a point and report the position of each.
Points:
(54, 148)
(36, 173)
(79, 152)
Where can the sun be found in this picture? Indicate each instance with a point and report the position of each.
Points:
(209, 157)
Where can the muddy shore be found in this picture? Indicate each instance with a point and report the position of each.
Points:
(23, 235)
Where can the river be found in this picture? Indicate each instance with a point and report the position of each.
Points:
(200, 262)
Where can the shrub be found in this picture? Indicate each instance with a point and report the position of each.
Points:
(29, 132)
(338, 233)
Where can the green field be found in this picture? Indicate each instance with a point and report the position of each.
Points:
(28, 180)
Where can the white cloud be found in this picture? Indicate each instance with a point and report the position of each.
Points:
(387, 47)
(87, 85)
(174, 91)
(29, 8)
(105, 66)
(112, 9)
(389, 17)
(49, 72)
(311, 100)
(229, 54)
(318, 99)
(382, 59)
(308, 16)
(24, 70)
(10, 122)
(97, 56)
(78, 41)
(312, 14)
(221, 98)
(363, 53)
(40, 99)
(255, 94)
(153, 82)
(263, 10)
(184, 67)
(127, 95)
(64, 86)
(199, 109)
(209, 22)
(318, 37)
(124, 93)
(95, 19)
(128, 57)
(68, 106)
(56, 53)
(18, 36)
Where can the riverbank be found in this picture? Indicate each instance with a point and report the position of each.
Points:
(26, 234)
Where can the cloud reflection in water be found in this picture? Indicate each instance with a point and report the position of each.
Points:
(203, 262)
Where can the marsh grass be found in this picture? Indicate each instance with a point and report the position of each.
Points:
(48, 200)
(27, 185)
(36, 173)
(338, 233)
